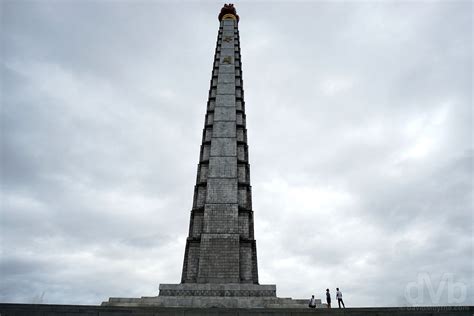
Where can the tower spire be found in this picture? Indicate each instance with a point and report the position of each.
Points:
(228, 12)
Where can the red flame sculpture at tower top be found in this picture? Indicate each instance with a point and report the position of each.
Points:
(227, 11)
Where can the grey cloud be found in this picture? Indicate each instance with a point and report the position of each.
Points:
(360, 132)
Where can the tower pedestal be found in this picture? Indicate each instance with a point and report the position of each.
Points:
(213, 295)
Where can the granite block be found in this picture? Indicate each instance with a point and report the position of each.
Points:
(219, 258)
(228, 42)
(221, 219)
(228, 52)
(228, 32)
(222, 167)
(224, 129)
(225, 100)
(228, 24)
(222, 147)
(224, 114)
(226, 68)
(226, 88)
(244, 225)
(226, 78)
(221, 190)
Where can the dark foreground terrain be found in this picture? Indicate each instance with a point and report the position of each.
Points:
(84, 310)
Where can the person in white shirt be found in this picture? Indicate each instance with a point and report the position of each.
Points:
(339, 298)
(312, 302)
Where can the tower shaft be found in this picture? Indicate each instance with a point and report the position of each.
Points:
(220, 247)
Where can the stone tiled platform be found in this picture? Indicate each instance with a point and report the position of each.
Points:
(82, 310)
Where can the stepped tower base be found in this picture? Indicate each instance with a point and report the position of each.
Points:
(213, 295)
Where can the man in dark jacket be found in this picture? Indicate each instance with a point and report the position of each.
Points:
(328, 298)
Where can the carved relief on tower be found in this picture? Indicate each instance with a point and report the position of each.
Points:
(227, 60)
(227, 42)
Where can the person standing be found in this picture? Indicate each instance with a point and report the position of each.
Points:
(339, 298)
(312, 302)
(328, 298)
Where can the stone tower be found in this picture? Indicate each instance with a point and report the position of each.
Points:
(220, 260)
(221, 247)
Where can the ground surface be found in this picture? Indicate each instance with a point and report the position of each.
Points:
(80, 310)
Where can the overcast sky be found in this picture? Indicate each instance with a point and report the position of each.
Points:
(359, 118)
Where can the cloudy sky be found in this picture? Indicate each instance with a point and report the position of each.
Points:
(359, 118)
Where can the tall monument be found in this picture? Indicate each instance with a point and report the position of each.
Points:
(220, 260)
(221, 247)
